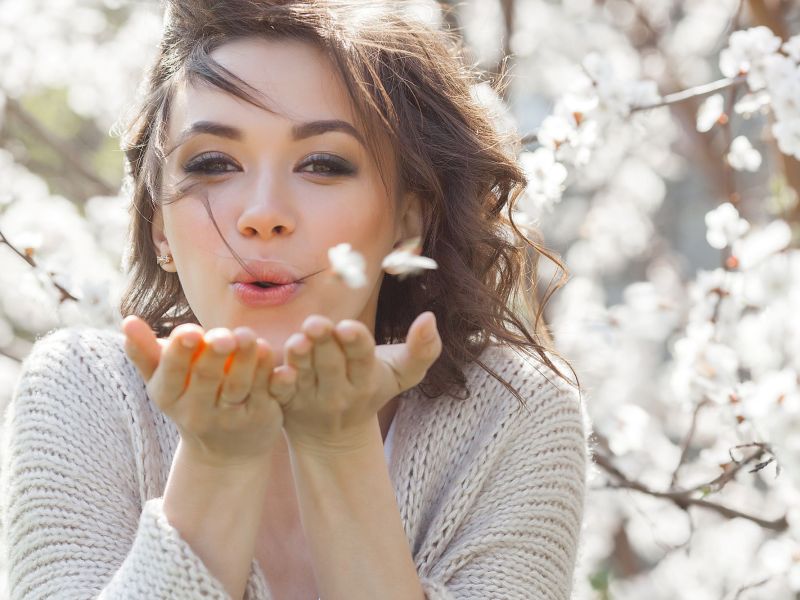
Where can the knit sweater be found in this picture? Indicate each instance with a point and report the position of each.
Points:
(491, 495)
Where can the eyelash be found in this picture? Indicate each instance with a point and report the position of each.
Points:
(200, 164)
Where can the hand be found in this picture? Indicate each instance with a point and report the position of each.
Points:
(341, 379)
(224, 402)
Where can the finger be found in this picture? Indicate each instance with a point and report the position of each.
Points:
(423, 339)
(298, 355)
(327, 357)
(141, 345)
(171, 377)
(239, 368)
(283, 384)
(208, 369)
(358, 345)
(260, 392)
(412, 359)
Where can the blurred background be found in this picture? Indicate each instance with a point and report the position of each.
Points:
(680, 317)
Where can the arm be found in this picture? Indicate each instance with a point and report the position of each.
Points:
(73, 524)
(352, 524)
(217, 510)
(346, 499)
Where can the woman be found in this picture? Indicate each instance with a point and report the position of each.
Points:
(259, 429)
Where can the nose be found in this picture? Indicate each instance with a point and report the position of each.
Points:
(269, 210)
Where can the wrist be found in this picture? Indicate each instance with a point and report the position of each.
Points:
(201, 460)
(354, 442)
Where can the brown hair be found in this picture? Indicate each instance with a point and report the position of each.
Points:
(407, 81)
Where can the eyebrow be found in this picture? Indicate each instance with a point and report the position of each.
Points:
(300, 131)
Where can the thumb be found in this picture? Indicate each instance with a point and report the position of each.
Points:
(141, 345)
(410, 361)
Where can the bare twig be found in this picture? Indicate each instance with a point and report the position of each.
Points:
(730, 473)
(750, 586)
(695, 92)
(28, 258)
(683, 498)
(687, 441)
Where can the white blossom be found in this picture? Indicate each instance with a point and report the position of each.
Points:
(348, 265)
(709, 112)
(724, 226)
(745, 49)
(792, 47)
(751, 103)
(618, 95)
(546, 178)
(571, 131)
(787, 133)
(769, 70)
(555, 131)
(785, 99)
(406, 260)
(742, 156)
(761, 243)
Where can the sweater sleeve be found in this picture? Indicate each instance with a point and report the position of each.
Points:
(521, 537)
(73, 525)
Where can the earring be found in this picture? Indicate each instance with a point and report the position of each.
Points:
(162, 260)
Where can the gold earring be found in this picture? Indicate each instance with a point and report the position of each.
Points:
(162, 260)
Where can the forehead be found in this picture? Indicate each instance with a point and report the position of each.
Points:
(294, 79)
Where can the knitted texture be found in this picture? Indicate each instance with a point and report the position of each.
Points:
(491, 495)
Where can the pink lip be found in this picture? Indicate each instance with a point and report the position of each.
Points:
(255, 297)
(263, 271)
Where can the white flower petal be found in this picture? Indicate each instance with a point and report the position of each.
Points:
(742, 155)
(401, 262)
(348, 265)
(709, 112)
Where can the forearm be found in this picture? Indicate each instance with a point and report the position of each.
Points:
(352, 524)
(217, 510)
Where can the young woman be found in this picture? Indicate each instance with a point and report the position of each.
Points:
(259, 429)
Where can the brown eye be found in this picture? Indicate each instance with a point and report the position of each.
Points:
(327, 164)
(211, 163)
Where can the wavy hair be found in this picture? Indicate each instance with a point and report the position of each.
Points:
(409, 82)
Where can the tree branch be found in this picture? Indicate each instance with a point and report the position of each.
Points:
(27, 256)
(687, 442)
(695, 92)
(683, 498)
(64, 151)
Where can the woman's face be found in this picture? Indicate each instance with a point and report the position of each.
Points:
(282, 192)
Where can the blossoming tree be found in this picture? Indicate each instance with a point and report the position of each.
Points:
(662, 146)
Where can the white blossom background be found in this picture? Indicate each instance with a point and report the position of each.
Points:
(662, 146)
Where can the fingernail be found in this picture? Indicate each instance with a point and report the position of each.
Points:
(429, 333)
(347, 335)
(189, 342)
(221, 345)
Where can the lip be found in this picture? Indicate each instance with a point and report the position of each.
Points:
(253, 296)
(271, 273)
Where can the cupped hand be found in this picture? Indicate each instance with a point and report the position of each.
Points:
(341, 379)
(217, 386)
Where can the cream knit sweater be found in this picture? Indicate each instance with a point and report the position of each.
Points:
(491, 496)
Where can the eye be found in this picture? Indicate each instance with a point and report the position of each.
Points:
(210, 163)
(327, 164)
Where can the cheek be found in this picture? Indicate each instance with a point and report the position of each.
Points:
(188, 224)
(364, 217)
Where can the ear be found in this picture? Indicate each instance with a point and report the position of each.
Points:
(160, 239)
(409, 222)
